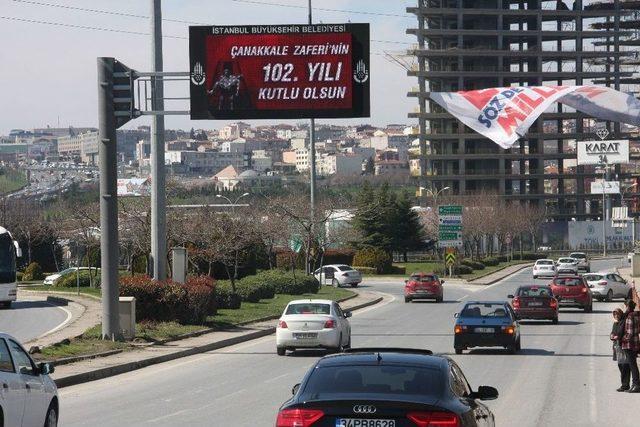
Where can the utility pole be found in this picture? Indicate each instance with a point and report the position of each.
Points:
(604, 211)
(108, 160)
(312, 148)
(158, 195)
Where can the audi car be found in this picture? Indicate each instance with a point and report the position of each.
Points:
(373, 387)
(572, 291)
(535, 302)
(486, 324)
(423, 286)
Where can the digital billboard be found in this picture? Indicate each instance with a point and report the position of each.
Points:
(279, 71)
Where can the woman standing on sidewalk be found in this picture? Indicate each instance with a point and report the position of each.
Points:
(630, 346)
(617, 330)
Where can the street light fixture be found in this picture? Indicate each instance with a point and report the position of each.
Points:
(233, 204)
(433, 194)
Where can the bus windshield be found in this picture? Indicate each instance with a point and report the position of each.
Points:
(7, 259)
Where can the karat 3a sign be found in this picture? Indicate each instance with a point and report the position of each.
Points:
(599, 152)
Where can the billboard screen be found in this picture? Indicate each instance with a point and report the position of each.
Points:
(607, 151)
(279, 71)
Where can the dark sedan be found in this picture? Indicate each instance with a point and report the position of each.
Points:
(535, 302)
(386, 388)
(486, 324)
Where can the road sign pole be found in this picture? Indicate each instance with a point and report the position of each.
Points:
(312, 165)
(158, 194)
(108, 162)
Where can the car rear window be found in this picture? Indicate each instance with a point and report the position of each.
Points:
(535, 292)
(567, 281)
(484, 310)
(423, 278)
(566, 260)
(344, 268)
(545, 262)
(308, 308)
(332, 381)
(592, 277)
(580, 256)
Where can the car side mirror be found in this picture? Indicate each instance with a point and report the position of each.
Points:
(456, 315)
(406, 281)
(485, 393)
(442, 282)
(347, 314)
(295, 389)
(510, 296)
(46, 368)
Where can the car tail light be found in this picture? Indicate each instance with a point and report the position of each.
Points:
(553, 303)
(298, 417)
(508, 329)
(584, 290)
(282, 324)
(330, 324)
(458, 329)
(602, 283)
(434, 419)
(516, 302)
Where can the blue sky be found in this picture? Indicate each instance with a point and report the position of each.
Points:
(48, 73)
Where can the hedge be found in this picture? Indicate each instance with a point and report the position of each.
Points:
(188, 303)
(338, 256)
(33, 272)
(529, 256)
(473, 264)
(225, 297)
(283, 260)
(462, 269)
(492, 261)
(263, 289)
(284, 282)
(70, 280)
(374, 257)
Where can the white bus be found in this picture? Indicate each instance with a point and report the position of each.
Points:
(9, 251)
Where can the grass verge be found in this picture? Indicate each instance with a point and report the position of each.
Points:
(90, 342)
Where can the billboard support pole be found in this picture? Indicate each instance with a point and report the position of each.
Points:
(604, 212)
(108, 162)
(312, 159)
(158, 195)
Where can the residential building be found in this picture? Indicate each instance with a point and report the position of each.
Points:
(208, 162)
(236, 146)
(476, 44)
(340, 164)
(391, 167)
(260, 161)
(83, 146)
(302, 159)
(298, 143)
(289, 157)
(233, 130)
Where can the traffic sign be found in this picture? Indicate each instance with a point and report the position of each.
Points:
(446, 235)
(450, 219)
(449, 210)
(450, 227)
(450, 257)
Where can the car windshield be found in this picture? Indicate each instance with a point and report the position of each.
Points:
(344, 268)
(484, 310)
(568, 281)
(566, 260)
(534, 292)
(332, 381)
(545, 262)
(66, 271)
(308, 308)
(7, 259)
(423, 278)
(592, 277)
(579, 256)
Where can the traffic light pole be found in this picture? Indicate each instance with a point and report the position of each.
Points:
(108, 161)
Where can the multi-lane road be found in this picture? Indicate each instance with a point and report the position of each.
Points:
(31, 318)
(564, 376)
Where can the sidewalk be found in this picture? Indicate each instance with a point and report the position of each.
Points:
(625, 272)
(115, 364)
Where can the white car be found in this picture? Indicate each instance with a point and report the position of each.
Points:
(544, 267)
(607, 285)
(567, 265)
(29, 396)
(50, 280)
(338, 275)
(313, 323)
(583, 261)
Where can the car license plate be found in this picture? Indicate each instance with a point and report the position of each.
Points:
(535, 304)
(305, 335)
(357, 422)
(484, 330)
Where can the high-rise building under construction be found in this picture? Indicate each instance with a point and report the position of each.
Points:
(476, 44)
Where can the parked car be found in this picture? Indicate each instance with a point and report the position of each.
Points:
(535, 302)
(423, 286)
(607, 285)
(572, 291)
(386, 387)
(544, 248)
(338, 275)
(567, 265)
(583, 261)
(486, 324)
(313, 324)
(29, 396)
(50, 280)
(544, 267)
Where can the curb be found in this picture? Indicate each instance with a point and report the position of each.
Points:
(62, 294)
(520, 268)
(496, 271)
(139, 364)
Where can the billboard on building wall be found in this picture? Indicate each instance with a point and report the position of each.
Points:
(585, 235)
(279, 71)
(599, 152)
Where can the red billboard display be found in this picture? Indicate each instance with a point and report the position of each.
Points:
(279, 71)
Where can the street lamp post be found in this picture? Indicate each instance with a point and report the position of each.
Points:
(633, 218)
(233, 204)
(433, 194)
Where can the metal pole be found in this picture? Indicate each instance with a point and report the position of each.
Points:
(604, 215)
(312, 172)
(158, 195)
(108, 161)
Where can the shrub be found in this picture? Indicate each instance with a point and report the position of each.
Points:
(503, 258)
(283, 260)
(373, 257)
(338, 256)
(70, 280)
(462, 269)
(19, 276)
(33, 272)
(397, 270)
(163, 301)
(139, 264)
(492, 261)
(366, 270)
(284, 282)
(265, 288)
(473, 264)
(225, 297)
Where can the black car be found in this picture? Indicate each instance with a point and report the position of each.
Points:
(386, 388)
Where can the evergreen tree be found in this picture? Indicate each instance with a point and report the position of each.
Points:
(369, 219)
(408, 231)
(369, 166)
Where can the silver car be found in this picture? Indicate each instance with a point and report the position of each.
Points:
(29, 396)
(607, 285)
(567, 265)
(583, 261)
(338, 275)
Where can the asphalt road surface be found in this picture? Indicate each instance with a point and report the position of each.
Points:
(29, 319)
(564, 376)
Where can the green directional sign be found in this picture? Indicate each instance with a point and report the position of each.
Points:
(444, 227)
(295, 243)
(445, 235)
(450, 210)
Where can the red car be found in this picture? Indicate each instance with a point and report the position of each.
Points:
(535, 302)
(423, 286)
(572, 291)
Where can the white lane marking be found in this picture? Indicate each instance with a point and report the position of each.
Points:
(499, 282)
(164, 417)
(270, 380)
(593, 401)
(384, 295)
(61, 325)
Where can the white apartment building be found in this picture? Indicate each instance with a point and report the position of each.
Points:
(302, 159)
(238, 145)
(340, 164)
(298, 143)
(233, 130)
(208, 162)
